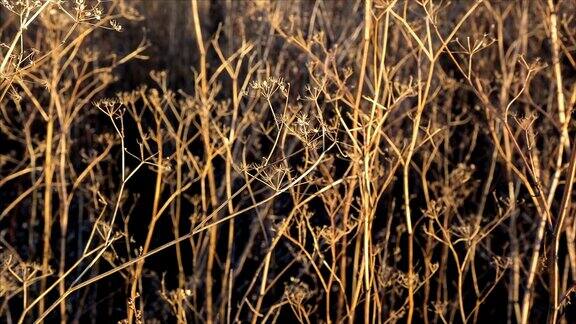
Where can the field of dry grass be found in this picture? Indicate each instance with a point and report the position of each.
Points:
(312, 161)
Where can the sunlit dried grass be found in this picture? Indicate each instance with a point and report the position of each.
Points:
(329, 161)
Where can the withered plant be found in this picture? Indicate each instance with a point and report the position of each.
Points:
(371, 161)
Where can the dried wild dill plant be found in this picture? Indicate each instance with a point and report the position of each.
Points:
(224, 161)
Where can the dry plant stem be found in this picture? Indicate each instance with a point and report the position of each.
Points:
(563, 212)
(366, 205)
(362, 272)
(227, 274)
(370, 158)
(562, 117)
(181, 312)
(64, 118)
(343, 258)
(228, 143)
(136, 280)
(564, 141)
(48, 174)
(422, 99)
(208, 170)
(558, 72)
(63, 196)
(504, 99)
(515, 274)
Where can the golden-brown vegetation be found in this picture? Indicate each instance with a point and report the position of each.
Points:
(225, 161)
